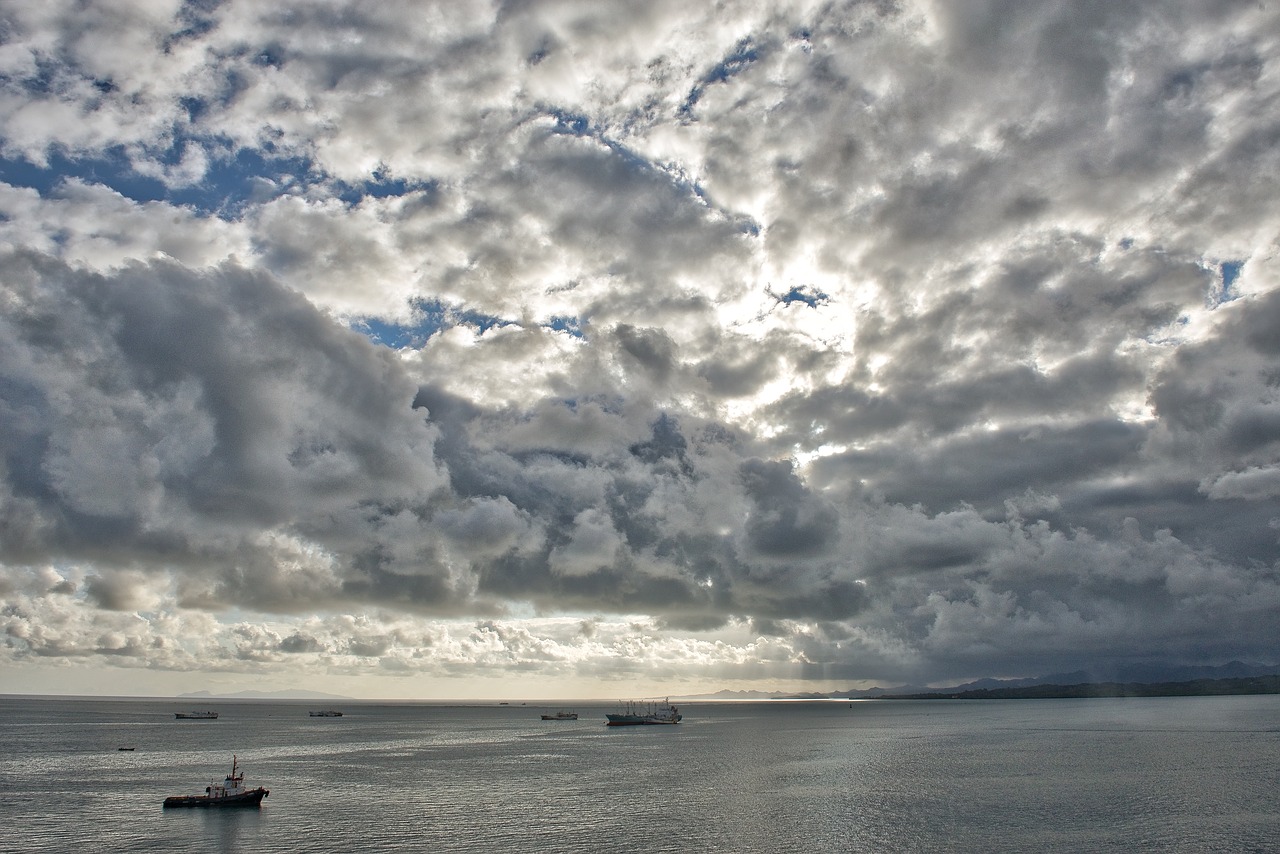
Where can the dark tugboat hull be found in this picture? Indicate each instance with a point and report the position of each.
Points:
(247, 799)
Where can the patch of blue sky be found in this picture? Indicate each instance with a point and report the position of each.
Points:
(233, 180)
(571, 325)
(246, 177)
(394, 335)
(47, 78)
(382, 186)
(1230, 272)
(110, 169)
(743, 55)
(573, 123)
(430, 317)
(1220, 287)
(435, 311)
(810, 296)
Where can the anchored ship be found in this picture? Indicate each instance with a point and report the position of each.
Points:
(231, 792)
(636, 714)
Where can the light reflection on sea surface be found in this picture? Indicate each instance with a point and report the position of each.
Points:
(1176, 774)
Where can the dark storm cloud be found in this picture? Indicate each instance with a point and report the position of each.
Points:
(740, 366)
(1219, 393)
(623, 531)
(786, 520)
(987, 468)
(161, 414)
(116, 591)
(300, 643)
(650, 347)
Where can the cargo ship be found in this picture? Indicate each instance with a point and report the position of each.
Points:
(561, 716)
(635, 714)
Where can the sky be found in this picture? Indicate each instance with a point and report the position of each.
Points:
(606, 349)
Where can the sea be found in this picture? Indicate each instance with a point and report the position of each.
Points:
(1187, 774)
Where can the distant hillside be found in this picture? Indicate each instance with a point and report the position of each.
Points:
(1193, 688)
(1159, 673)
(763, 695)
(1124, 676)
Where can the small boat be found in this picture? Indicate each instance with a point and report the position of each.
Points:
(329, 713)
(561, 716)
(196, 716)
(125, 748)
(229, 793)
(636, 715)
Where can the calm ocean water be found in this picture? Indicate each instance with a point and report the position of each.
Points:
(1169, 775)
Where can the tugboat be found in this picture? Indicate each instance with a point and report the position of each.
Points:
(229, 793)
(634, 715)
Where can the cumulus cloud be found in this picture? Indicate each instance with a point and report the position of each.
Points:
(1253, 484)
(781, 341)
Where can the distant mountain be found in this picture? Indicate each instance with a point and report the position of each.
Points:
(284, 694)
(759, 695)
(1189, 688)
(1158, 673)
(1125, 675)
(1149, 674)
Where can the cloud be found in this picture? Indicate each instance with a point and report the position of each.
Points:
(158, 413)
(784, 341)
(1253, 484)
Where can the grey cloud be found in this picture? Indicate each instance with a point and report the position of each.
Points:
(117, 590)
(300, 643)
(694, 622)
(493, 526)
(739, 367)
(1220, 389)
(370, 648)
(609, 545)
(984, 469)
(666, 443)
(160, 414)
(1037, 597)
(1256, 483)
(1260, 326)
(650, 347)
(785, 521)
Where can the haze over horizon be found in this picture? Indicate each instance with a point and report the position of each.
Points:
(551, 349)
